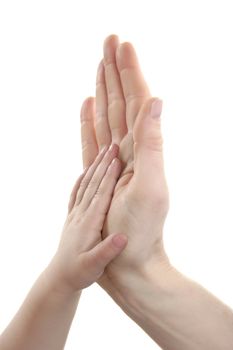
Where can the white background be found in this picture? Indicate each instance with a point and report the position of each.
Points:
(49, 51)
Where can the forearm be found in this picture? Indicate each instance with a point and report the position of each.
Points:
(176, 312)
(44, 319)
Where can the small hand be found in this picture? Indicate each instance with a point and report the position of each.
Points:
(82, 255)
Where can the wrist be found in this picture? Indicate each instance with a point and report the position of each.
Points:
(130, 287)
(147, 294)
(151, 288)
(175, 311)
(56, 284)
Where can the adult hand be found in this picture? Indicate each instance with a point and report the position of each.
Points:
(141, 280)
(123, 112)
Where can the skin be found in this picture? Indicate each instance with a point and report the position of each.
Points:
(176, 312)
(120, 114)
(44, 319)
(131, 198)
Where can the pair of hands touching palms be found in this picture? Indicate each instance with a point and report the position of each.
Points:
(124, 113)
(125, 116)
(120, 200)
(113, 233)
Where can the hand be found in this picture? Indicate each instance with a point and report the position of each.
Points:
(141, 280)
(124, 113)
(82, 255)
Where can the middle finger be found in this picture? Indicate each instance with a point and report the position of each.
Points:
(116, 101)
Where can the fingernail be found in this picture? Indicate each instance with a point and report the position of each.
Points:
(156, 108)
(119, 241)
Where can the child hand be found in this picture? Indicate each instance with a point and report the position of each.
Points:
(82, 255)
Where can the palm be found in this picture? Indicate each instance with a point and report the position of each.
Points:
(132, 201)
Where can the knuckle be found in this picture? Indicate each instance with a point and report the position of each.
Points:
(87, 142)
(82, 188)
(93, 265)
(84, 183)
(101, 259)
(116, 102)
(151, 136)
(75, 214)
(135, 97)
(109, 63)
(101, 116)
(100, 85)
(99, 193)
(93, 183)
(155, 143)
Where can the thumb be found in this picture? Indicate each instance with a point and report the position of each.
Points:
(148, 142)
(102, 254)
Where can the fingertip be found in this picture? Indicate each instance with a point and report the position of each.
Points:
(125, 46)
(126, 55)
(120, 241)
(110, 38)
(110, 46)
(89, 100)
